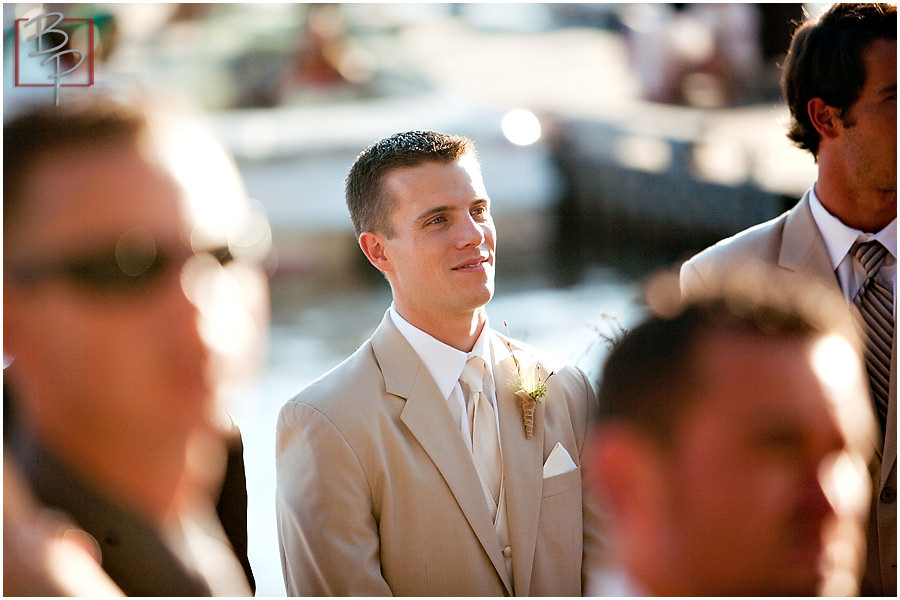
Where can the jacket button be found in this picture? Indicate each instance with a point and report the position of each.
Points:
(507, 551)
(888, 495)
(112, 538)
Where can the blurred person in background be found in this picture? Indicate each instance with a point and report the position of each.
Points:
(696, 53)
(134, 308)
(731, 446)
(412, 468)
(840, 83)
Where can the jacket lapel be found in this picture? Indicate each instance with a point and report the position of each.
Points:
(802, 247)
(428, 418)
(522, 463)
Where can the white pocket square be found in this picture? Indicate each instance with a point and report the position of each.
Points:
(558, 462)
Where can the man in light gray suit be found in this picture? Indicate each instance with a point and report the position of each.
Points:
(840, 82)
(441, 458)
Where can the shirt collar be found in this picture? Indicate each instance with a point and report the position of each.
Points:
(444, 363)
(839, 237)
(612, 581)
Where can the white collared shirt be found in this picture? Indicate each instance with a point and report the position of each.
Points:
(839, 238)
(445, 365)
(611, 582)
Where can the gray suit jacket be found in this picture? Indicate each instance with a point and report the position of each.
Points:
(377, 493)
(793, 243)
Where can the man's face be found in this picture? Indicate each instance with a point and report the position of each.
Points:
(123, 362)
(869, 133)
(746, 511)
(440, 261)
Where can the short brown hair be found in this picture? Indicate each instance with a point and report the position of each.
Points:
(825, 61)
(47, 130)
(369, 207)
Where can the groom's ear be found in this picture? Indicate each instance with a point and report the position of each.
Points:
(372, 245)
(824, 118)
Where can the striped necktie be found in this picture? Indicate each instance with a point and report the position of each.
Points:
(485, 442)
(875, 302)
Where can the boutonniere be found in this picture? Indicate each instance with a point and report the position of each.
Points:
(530, 388)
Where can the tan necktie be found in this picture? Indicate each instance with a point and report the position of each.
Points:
(485, 445)
(876, 305)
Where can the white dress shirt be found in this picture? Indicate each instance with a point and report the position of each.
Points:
(839, 238)
(611, 582)
(445, 365)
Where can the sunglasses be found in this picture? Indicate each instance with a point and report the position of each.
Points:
(134, 264)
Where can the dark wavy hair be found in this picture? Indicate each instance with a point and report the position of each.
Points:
(825, 61)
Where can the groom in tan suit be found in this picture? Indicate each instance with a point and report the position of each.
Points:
(840, 82)
(407, 469)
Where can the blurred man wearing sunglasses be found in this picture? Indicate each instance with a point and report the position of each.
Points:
(134, 302)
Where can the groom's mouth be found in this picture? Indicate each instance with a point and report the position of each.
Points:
(473, 264)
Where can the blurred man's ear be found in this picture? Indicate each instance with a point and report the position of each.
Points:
(372, 245)
(624, 468)
(12, 319)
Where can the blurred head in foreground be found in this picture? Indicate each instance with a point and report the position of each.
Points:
(134, 300)
(732, 443)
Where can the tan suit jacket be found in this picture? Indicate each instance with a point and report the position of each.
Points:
(377, 493)
(793, 243)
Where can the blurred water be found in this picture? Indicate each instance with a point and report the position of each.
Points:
(314, 329)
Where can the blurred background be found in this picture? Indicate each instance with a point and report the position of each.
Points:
(615, 140)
